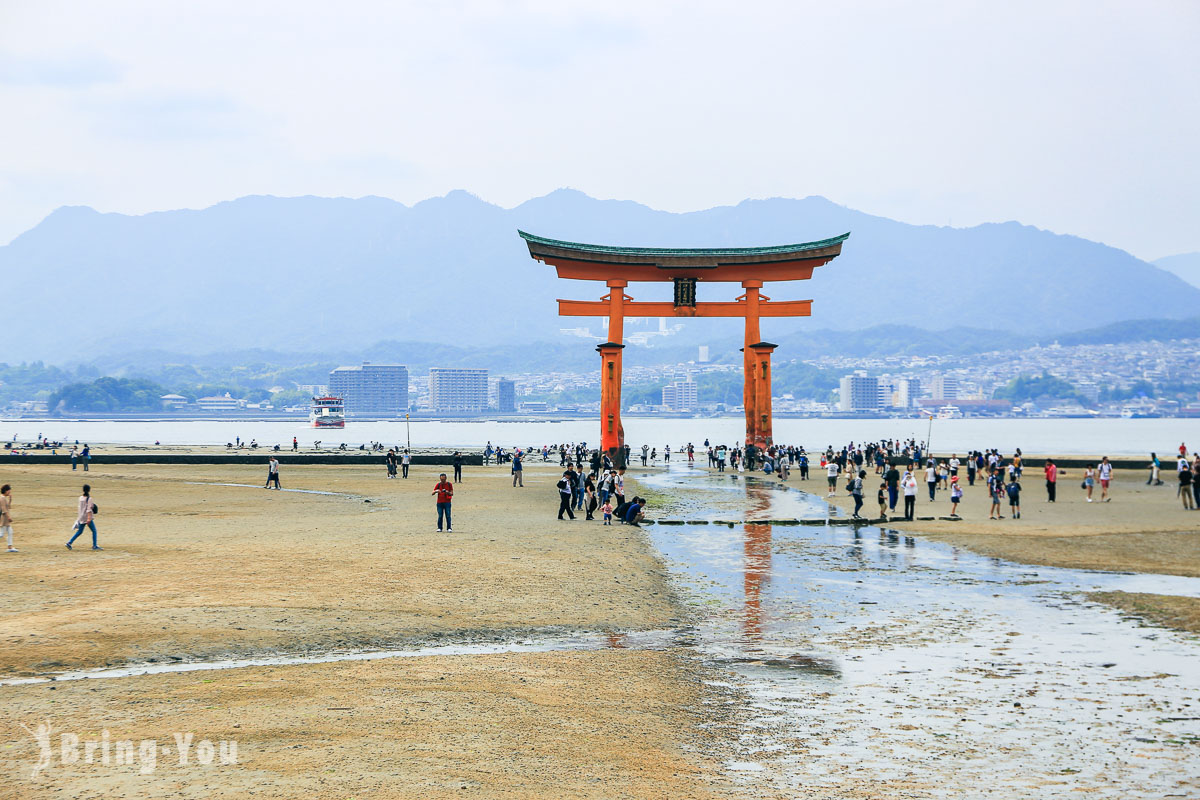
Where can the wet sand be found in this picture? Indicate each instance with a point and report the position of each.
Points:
(1142, 529)
(197, 571)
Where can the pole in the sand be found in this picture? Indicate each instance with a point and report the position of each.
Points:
(407, 433)
(929, 437)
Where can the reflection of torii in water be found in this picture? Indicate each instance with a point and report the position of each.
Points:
(757, 567)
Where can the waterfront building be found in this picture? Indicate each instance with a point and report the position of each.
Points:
(907, 392)
(859, 392)
(506, 396)
(371, 388)
(680, 395)
(458, 391)
(945, 387)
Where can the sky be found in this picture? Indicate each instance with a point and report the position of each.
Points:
(1079, 117)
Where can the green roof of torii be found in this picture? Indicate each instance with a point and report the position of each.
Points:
(693, 252)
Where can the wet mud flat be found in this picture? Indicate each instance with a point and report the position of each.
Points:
(879, 665)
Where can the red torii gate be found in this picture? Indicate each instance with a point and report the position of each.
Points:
(619, 266)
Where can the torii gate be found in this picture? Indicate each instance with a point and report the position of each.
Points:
(619, 266)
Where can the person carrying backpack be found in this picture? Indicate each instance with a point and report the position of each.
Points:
(566, 490)
(1014, 498)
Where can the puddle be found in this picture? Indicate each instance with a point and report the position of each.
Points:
(257, 486)
(872, 656)
(634, 640)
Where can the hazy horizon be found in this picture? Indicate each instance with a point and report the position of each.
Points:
(1080, 118)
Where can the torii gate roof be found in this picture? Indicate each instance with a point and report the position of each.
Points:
(603, 262)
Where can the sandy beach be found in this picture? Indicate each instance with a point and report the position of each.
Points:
(196, 570)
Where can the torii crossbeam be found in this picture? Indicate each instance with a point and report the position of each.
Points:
(750, 266)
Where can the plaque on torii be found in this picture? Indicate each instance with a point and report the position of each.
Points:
(749, 266)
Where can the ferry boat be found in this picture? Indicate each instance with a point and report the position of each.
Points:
(327, 412)
(949, 412)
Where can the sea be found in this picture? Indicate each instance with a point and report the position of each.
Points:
(1114, 437)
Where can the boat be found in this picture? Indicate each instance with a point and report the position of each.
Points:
(949, 412)
(327, 412)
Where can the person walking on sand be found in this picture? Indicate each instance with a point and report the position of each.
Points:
(272, 473)
(881, 496)
(6, 519)
(909, 485)
(518, 478)
(457, 466)
(390, 461)
(956, 494)
(1089, 480)
(74, 457)
(931, 479)
(405, 460)
(86, 456)
(856, 491)
(607, 510)
(1185, 486)
(566, 491)
(445, 495)
(1051, 470)
(86, 517)
(1105, 471)
(1155, 471)
(831, 473)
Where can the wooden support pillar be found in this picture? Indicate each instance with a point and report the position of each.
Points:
(612, 433)
(753, 336)
(762, 388)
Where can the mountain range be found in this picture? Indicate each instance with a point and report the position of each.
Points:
(338, 275)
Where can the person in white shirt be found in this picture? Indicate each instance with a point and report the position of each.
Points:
(1105, 470)
(909, 484)
(954, 464)
(931, 480)
(832, 469)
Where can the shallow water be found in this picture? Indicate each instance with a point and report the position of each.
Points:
(884, 658)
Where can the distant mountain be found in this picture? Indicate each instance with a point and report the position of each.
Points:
(1185, 265)
(336, 275)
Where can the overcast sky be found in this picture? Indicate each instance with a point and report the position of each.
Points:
(1081, 117)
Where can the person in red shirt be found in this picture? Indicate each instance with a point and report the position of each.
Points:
(445, 493)
(1051, 470)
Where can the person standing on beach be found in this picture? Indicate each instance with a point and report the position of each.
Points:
(405, 460)
(1051, 470)
(931, 479)
(74, 457)
(86, 456)
(1089, 480)
(457, 466)
(86, 517)
(956, 494)
(892, 479)
(1105, 471)
(6, 519)
(1155, 471)
(1185, 485)
(517, 472)
(832, 469)
(390, 460)
(995, 484)
(1014, 498)
(445, 495)
(295, 444)
(881, 496)
(909, 484)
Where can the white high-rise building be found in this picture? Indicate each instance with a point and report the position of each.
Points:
(945, 387)
(681, 395)
(703, 356)
(859, 393)
(907, 392)
(371, 388)
(458, 391)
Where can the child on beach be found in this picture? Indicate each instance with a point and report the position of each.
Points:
(995, 489)
(956, 494)
(1089, 480)
(607, 509)
(6, 515)
(881, 497)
